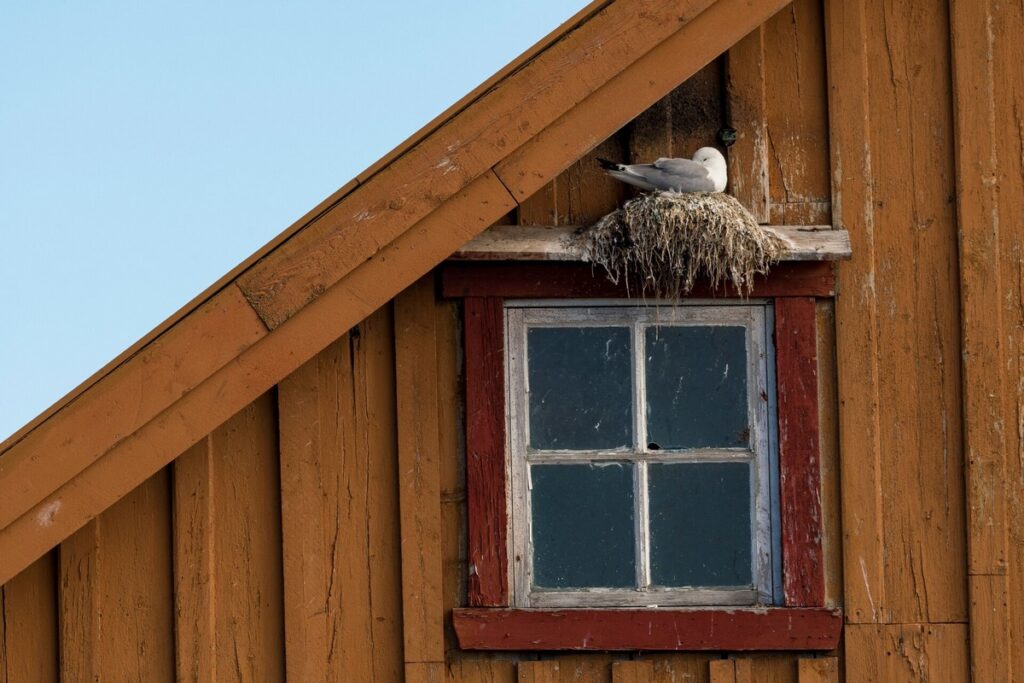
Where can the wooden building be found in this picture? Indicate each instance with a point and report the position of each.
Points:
(315, 470)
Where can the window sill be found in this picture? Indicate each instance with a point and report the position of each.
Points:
(777, 628)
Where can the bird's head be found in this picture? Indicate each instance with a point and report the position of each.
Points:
(710, 157)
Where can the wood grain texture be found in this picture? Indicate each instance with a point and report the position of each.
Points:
(249, 375)
(227, 529)
(653, 76)
(29, 649)
(747, 92)
(388, 204)
(857, 328)
(681, 122)
(632, 671)
(339, 482)
(880, 653)
(576, 280)
(538, 672)
(195, 597)
(484, 344)
(897, 315)
(425, 672)
(822, 670)
(987, 83)
(640, 629)
(831, 485)
(124, 401)
(796, 363)
(919, 327)
(483, 669)
(420, 474)
(580, 194)
(730, 671)
(116, 592)
(548, 243)
(451, 434)
(796, 115)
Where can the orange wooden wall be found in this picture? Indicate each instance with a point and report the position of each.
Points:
(319, 534)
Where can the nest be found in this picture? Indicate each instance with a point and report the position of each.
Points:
(668, 241)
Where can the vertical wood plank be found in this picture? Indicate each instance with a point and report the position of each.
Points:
(478, 670)
(879, 653)
(821, 670)
(828, 414)
(633, 671)
(987, 99)
(419, 467)
(683, 121)
(537, 672)
(376, 430)
(799, 451)
(585, 668)
(227, 530)
(722, 671)
(195, 612)
(747, 95)
(339, 510)
(857, 343)
(691, 667)
(452, 466)
(744, 670)
(485, 451)
(323, 506)
(797, 115)
(29, 648)
(919, 325)
(116, 602)
(425, 672)
(698, 110)
(897, 316)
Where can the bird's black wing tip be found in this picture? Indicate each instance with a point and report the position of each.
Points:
(607, 165)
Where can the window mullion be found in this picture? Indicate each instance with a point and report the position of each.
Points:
(643, 552)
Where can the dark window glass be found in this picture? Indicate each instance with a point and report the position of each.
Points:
(700, 524)
(696, 387)
(583, 526)
(580, 387)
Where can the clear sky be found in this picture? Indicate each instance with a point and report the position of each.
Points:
(147, 148)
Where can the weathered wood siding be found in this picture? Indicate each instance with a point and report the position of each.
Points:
(320, 533)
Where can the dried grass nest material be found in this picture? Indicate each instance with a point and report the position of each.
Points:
(670, 240)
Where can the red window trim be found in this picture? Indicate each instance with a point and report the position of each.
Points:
(484, 287)
(650, 629)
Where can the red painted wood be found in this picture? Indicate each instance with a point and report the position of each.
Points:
(796, 365)
(487, 515)
(579, 280)
(648, 629)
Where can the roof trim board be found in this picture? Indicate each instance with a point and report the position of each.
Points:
(326, 274)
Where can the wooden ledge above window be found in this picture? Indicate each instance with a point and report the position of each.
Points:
(547, 243)
(772, 628)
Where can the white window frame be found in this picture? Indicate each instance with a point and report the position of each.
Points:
(753, 315)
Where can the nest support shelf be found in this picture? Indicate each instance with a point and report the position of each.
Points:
(548, 243)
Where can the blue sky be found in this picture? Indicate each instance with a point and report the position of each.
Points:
(146, 148)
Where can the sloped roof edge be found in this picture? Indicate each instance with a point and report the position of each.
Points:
(351, 254)
(565, 28)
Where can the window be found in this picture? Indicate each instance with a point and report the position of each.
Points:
(572, 487)
(640, 455)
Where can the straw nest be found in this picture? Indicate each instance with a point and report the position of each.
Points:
(667, 241)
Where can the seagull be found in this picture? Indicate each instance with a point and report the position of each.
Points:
(706, 172)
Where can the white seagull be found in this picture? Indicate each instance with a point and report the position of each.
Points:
(706, 172)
